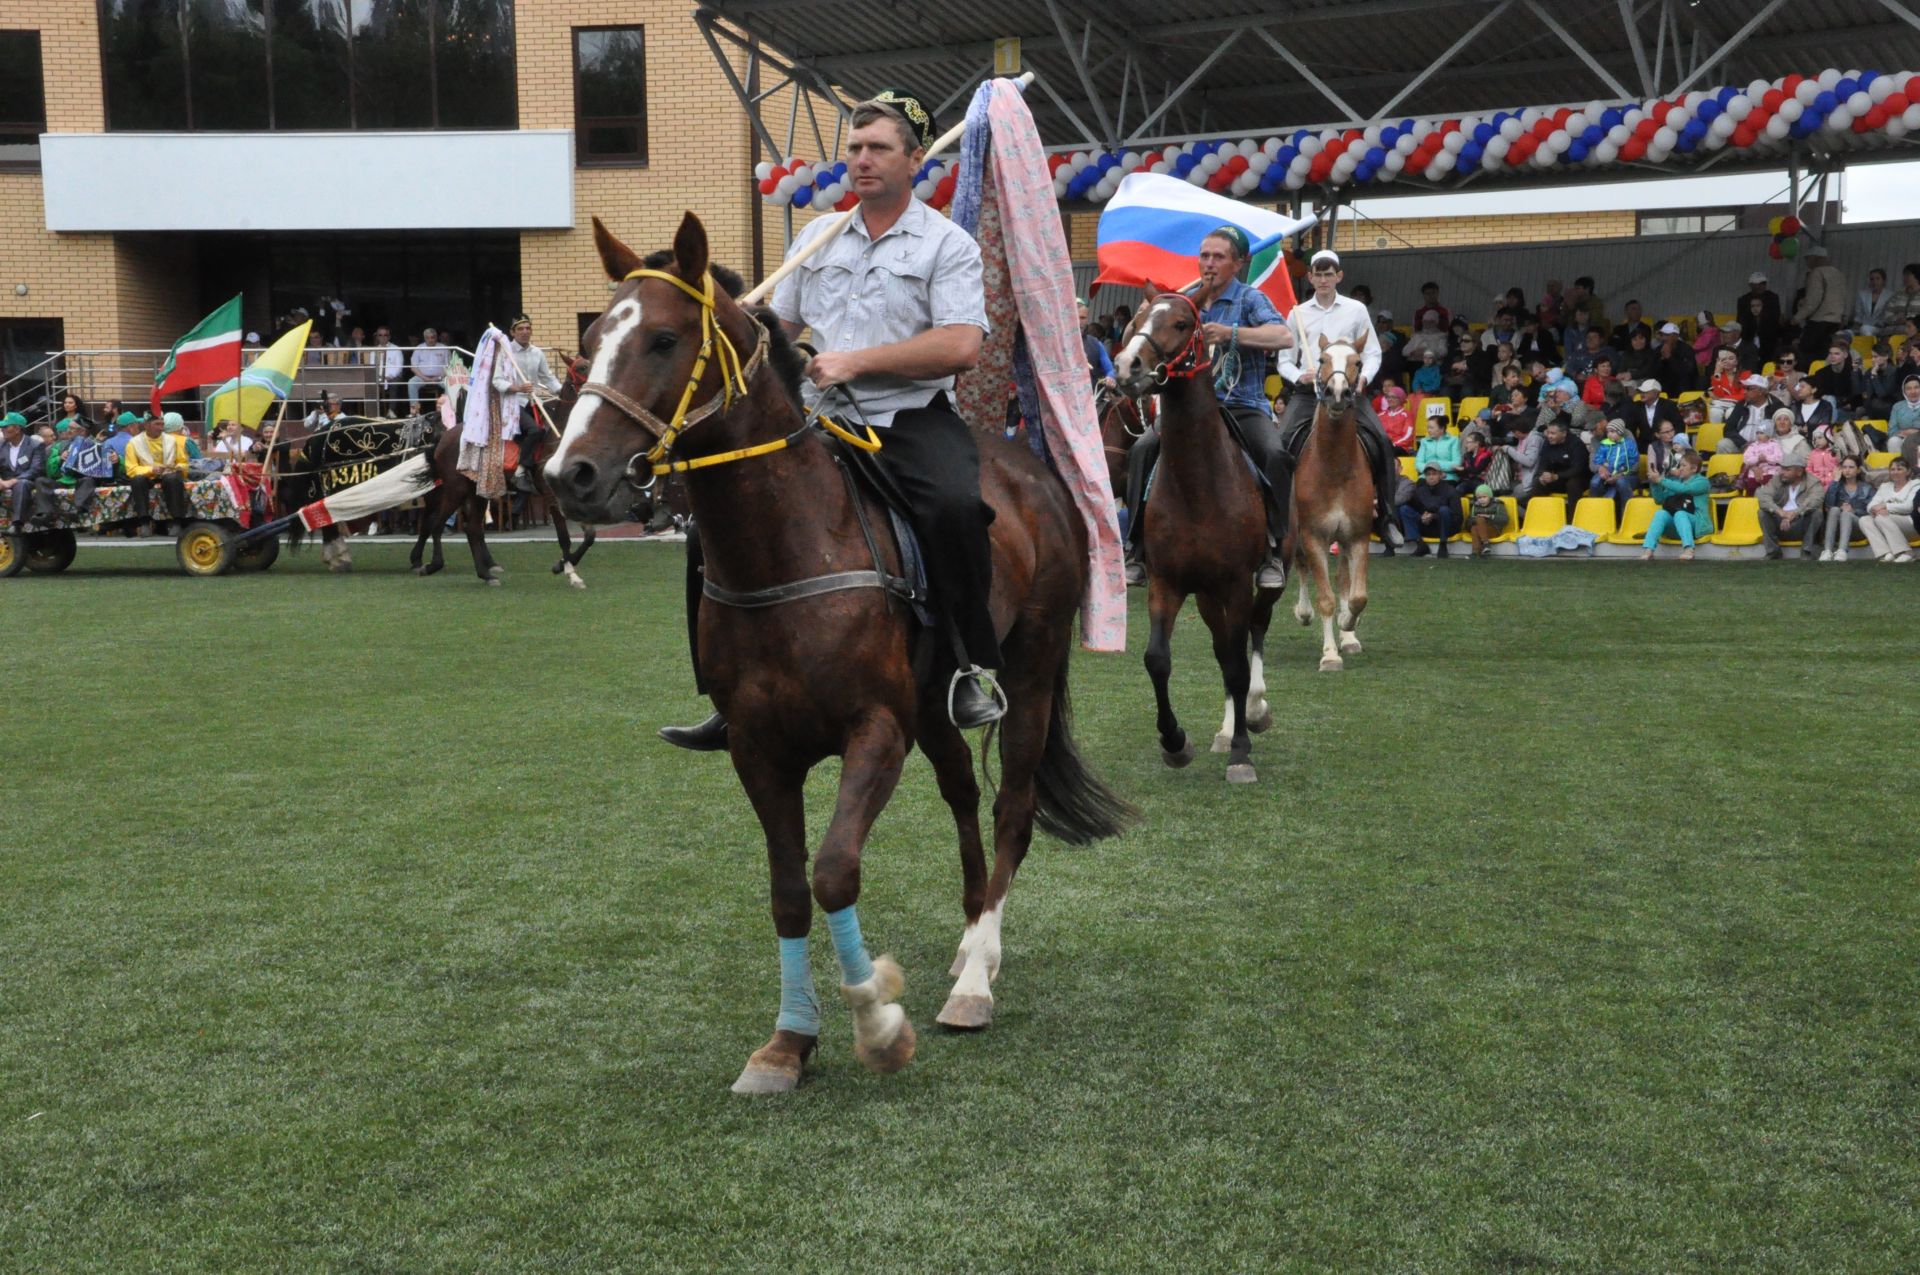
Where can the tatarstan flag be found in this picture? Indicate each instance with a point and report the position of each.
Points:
(209, 353)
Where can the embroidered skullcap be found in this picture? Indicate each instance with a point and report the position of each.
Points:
(910, 108)
(1242, 248)
(518, 319)
(173, 420)
(1327, 255)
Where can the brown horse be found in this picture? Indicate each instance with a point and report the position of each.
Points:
(1208, 534)
(455, 491)
(1333, 504)
(1122, 421)
(823, 669)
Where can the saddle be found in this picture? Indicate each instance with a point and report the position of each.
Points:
(1373, 445)
(869, 479)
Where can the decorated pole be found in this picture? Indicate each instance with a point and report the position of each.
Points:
(841, 219)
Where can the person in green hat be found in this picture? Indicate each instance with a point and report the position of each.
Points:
(23, 464)
(126, 427)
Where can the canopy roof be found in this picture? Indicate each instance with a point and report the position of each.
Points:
(1126, 73)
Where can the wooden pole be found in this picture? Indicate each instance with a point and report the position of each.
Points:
(840, 220)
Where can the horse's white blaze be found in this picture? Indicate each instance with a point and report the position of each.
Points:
(981, 946)
(623, 320)
(1129, 355)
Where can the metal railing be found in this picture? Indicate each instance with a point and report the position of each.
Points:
(102, 376)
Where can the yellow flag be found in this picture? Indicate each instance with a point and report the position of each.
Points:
(270, 379)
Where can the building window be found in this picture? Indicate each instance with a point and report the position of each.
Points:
(261, 65)
(610, 96)
(23, 100)
(1688, 223)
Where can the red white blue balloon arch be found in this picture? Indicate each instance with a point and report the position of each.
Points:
(1846, 109)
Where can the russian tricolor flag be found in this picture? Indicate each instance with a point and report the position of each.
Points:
(1152, 227)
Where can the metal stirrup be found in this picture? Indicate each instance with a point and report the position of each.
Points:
(998, 696)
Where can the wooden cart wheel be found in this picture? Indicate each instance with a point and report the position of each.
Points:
(204, 549)
(49, 552)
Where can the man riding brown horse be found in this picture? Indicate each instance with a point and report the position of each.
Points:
(1340, 321)
(1242, 323)
(897, 309)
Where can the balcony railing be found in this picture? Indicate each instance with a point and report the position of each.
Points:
(99, 377)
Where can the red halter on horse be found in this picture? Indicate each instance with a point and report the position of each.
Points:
(1208, 534)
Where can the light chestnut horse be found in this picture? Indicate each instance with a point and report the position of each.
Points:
(1333, 504)
(1207, 533)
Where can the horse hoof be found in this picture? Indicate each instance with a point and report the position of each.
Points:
(775, 1067)
(1178, 760)
(1349, 646)
(1241, 772)
(966, 1013)
(577, 582)
(1331, 664)
(758, 1079)
(493, 582)
(1263, 723)
(892, 1056)
(496, 572)
(1305, 620)
(1223, 743)
(420, 571)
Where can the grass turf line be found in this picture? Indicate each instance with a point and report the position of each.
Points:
(1568, 929)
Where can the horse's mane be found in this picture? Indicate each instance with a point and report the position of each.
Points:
(788, 363)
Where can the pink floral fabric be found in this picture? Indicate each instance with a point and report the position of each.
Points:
(1038, 276)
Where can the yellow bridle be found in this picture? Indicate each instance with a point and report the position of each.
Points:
(734, 376)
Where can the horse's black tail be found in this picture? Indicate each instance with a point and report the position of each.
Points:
(1070, 801)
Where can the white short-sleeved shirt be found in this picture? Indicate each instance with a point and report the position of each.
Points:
(857, 293)
(1345, 320)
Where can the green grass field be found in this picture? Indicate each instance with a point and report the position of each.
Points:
(360, 924)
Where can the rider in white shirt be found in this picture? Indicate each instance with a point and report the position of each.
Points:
(1339, 319)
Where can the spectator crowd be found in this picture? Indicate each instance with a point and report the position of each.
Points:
(1808, 404)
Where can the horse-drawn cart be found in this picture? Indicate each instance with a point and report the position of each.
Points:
(218, 535)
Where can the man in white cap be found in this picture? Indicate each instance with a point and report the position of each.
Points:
(1679, 370)
(1762, 325)
(1644, 418)
(1757, 406)
(1823, 304)
(1338, 319)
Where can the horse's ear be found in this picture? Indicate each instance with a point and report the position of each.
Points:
(690, 249)
(1323, 343)
(615, 257)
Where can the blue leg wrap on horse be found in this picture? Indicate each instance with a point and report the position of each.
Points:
(799, 1007)
(844, 925)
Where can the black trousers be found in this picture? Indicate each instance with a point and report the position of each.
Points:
(173, 495)
(1815, 340)
(1257, 435)
(930, 456)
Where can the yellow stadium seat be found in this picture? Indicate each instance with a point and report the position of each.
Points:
(1472, 407)
(1634, 522)
(1595, 514)
(1742, 525)
(1719, 321)
(1728, 464)
(1708, 436)
(1687, 396)
(1407, 469)
(1512, 531)
(1545, 516)
(1863, 345)
(1273, 385)
(1816, 366)
(1766, 369)
(1878, 461)
(1433, 405)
